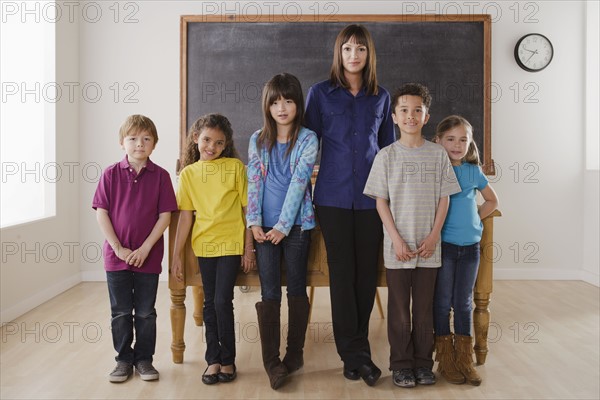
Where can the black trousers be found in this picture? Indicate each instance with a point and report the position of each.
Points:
(352, 239)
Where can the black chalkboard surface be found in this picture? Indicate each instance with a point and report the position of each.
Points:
(225, 63)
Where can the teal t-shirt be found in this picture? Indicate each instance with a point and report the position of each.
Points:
(463, 226)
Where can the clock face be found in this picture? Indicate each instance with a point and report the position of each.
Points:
(534, 52)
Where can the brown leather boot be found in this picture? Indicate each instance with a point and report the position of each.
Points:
(464, 359)
(444, 354)
(269, 327)
(298, 307)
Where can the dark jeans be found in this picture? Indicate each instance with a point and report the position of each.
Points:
(454, 288)
(129, 291)
(218, 280)
(352, 239)
(410, 333)
(294, 248)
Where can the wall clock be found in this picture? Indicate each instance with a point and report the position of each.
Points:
(533, 52)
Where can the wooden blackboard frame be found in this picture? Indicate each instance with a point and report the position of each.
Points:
(483, 19)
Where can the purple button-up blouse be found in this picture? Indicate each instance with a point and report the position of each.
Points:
(352, 130)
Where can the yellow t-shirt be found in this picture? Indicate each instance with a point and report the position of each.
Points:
(217, 191)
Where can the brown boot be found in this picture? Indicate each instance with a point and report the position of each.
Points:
(269, 326)
(444, 354)
(464, 359)
(298, 307)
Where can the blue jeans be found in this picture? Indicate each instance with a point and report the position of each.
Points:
(129, 291)
(218, 280)
(454, 288)
(294, 248)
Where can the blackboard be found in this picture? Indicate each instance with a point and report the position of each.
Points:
(225, 63)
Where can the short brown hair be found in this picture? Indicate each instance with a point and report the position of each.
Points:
(412, 89)
(137, 123)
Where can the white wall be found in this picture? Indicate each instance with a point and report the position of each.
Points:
(538, 146)
(47, 261)
(544, 206)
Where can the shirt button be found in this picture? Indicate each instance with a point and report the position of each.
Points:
(355, 133)
(135, 181)
(130, 170)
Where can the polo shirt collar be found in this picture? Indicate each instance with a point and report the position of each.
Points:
(124, 164)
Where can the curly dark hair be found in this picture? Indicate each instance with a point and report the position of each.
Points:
(218, 121)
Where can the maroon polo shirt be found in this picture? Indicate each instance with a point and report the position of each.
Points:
(133, 202)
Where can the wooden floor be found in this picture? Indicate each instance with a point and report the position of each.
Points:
(544, 344)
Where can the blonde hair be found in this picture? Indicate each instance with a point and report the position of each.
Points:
(137, 123)
(218, 121)
(361, 36)
(451, 122)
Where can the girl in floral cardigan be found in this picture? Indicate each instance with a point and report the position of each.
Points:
(280, 213)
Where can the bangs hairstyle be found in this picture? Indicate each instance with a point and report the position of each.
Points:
(135, 124)
(451, 122)
(288, 87)
(215, 121)
(360, 35)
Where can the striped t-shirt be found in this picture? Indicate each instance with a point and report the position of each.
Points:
(413, 180)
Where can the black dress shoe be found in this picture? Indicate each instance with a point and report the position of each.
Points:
(351, 374)
(209, 379)
(227, 377)
(369, 373)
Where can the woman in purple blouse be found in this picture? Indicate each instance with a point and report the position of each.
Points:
(351, 115)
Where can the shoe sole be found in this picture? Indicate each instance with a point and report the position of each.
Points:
(352, 378)
(406, 386)
(149, 377)
(372, 382)
(118, 379)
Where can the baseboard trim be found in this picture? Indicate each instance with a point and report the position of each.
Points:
(534, 274)
(12, 313)
(591, 278)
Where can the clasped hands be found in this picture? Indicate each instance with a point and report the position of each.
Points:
(426, 249)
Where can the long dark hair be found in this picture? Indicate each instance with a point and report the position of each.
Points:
(361, 36)
(285, 86)
(218, 121)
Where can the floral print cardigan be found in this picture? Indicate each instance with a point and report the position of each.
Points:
(302, 160)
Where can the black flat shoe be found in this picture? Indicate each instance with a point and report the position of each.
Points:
(369, 373)
(210, 379)
(226, 377)
(351, 374)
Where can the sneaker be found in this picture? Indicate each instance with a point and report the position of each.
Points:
(146, 370)
(121, 373)
(404, 378)
(424, 376)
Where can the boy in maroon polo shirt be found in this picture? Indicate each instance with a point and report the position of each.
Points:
(133, 204)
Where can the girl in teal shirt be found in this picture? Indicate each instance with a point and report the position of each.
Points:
(460, 252)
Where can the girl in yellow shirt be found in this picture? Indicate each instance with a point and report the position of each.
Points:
(214, 186)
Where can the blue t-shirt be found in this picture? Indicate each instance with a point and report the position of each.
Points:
(463, 226)
(277, 183)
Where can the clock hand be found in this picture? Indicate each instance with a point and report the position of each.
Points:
(533, 53)
(526, 49)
